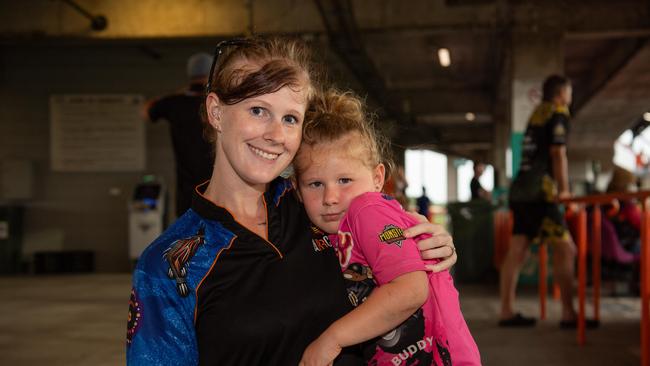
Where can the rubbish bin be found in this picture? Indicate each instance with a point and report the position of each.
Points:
(11, 239)
(67, 261)
(146, 215)
(472, 227)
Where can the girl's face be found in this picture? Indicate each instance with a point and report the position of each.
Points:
(334, 175)
(257, 137)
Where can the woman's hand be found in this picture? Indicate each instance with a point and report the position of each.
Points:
(439, 246)
(320, 352)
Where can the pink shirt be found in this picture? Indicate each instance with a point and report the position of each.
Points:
(372, 251)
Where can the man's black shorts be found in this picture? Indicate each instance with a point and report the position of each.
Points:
(538, 220)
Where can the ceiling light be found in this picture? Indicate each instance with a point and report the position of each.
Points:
(470, 116)
(444, 57)
(646, 116)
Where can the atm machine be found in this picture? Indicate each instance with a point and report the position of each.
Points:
(147, 212)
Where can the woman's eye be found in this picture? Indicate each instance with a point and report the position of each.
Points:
(257, 111)
(290, 119)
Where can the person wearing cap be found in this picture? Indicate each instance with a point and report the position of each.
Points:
(193, 154)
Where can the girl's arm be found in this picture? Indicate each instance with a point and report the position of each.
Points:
(387, 307)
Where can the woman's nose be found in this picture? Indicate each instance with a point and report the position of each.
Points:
(274, 132)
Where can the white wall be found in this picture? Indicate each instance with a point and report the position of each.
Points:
(465, 175)
(429, 169)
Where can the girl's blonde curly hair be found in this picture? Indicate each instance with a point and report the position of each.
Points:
(333, 114)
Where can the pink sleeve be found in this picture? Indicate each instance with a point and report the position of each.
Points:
(376, 226)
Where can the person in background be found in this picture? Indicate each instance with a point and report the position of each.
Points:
(478, 192)
(396, 186)
(192, 153)
(542, 179)
(624, 216)
(240, 278)
(423, 204)
(408, 315)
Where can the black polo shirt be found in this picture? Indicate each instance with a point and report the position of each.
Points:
(250, 301)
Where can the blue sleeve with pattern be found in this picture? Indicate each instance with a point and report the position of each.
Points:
(160, 327)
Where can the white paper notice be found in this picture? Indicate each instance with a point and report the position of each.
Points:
(96, 133)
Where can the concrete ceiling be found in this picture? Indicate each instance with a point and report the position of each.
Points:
(386, 49)
(606, 56)
(620, 100)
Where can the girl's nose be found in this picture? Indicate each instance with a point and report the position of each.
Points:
(331, 196)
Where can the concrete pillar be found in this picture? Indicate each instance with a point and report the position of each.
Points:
(452, 179)
(501, 143)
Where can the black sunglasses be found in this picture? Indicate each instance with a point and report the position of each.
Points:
(221, 46)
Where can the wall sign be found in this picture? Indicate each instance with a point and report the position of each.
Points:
(97, 133)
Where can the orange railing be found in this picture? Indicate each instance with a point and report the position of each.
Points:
(581, 239)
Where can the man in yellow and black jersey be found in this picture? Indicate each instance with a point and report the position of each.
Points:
(542, 179)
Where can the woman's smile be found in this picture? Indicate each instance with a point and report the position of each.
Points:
(264, 154)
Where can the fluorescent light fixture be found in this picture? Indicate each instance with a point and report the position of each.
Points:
(646, 116)
(470, 116)
(444, 57)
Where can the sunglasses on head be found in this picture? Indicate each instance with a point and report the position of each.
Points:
(219, 50)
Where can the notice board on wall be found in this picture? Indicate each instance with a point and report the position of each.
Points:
(97, 133)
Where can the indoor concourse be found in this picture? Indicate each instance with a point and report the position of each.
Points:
(78, 320)
(90, 169)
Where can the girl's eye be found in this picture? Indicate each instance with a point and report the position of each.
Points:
(315, 184)
(345, 180)
(292, 120)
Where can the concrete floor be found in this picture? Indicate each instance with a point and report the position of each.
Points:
(81, 320)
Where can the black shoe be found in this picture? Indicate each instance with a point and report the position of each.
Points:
(573, 324)
(517, 320)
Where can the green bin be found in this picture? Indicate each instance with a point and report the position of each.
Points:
(11, 238)
(472, 227)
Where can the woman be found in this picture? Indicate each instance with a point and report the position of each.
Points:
(240, 278)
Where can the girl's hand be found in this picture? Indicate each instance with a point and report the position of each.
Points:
(320, 352)
(439, 246)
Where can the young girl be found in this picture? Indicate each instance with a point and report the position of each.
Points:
(412, 317)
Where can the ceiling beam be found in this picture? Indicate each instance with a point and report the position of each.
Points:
(423, 101)
(608, 34)
(608, 65)
(425, 136)
(345, 40)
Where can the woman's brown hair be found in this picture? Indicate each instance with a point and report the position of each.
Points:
(271, 64)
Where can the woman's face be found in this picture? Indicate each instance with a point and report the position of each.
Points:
(258, 136)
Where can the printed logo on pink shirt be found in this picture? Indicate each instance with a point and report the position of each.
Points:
(344, 249)
(392, 235)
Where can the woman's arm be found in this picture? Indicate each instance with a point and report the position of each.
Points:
(387, 307)
(160, 327)
(439, 245)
